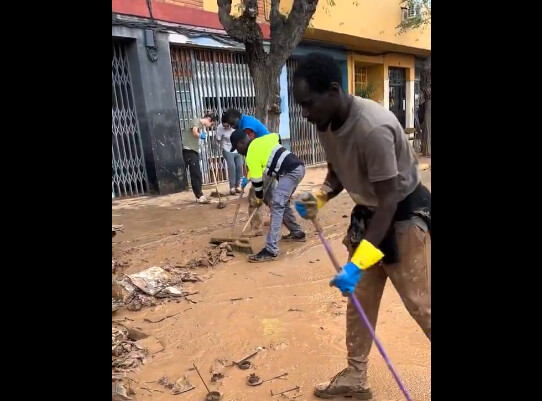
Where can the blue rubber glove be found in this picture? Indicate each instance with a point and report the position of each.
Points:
(301, 208)
(347, 279)
(307, 204)
(244, 182)
(202, 135)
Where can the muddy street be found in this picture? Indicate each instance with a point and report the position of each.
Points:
(283, 309)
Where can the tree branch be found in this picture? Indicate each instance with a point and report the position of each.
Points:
(286, 33)
(244, 29)
(275, 17)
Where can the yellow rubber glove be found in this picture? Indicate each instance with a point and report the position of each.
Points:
(308, 203)
(366, 255)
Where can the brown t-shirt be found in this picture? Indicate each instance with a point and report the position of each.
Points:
(371, 146)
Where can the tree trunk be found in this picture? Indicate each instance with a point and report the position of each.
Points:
(266, 92)
(426, 90)
(426, 143)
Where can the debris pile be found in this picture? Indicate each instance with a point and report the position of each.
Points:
(142, 289)
(126, 355)
(120, 393)
(156, 282)
(178, 387)
(221, 253)
(117, 304)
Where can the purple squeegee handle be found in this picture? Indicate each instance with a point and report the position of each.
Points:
(362, 314)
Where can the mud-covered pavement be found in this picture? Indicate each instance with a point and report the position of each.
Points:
(286, 307)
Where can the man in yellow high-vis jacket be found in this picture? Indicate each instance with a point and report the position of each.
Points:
(265, 156)
(255, 129)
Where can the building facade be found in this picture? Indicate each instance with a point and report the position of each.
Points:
(172, 61)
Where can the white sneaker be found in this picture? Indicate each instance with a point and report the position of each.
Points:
(233, 191)
(203, 200)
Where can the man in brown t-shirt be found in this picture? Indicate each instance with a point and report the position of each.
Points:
(369, 155)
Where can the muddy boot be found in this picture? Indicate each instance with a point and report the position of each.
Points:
(347, 383)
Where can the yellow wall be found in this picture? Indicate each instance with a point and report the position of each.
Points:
(375, 73)
(369, 19)
(388, 60)
(375, 76)
(403, 61)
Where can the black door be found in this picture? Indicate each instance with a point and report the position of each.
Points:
(398, 93)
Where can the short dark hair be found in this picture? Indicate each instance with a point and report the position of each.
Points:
(236, 136)
(211, 116)
(230, 113)
(319, 70)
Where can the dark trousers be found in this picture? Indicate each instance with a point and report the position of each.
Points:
(191, 159)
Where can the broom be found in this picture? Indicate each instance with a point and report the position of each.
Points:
(239, 244)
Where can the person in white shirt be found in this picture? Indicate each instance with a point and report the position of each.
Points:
(233, 159)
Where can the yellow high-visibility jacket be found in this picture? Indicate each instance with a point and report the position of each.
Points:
(265, 155)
